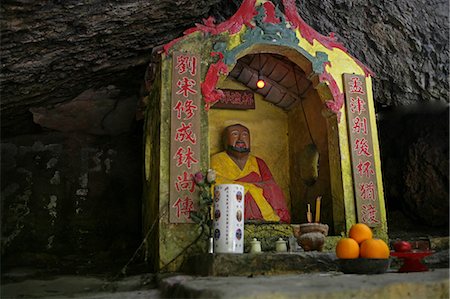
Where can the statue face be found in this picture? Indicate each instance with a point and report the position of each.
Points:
(237, 139)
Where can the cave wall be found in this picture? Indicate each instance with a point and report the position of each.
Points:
(70, 201)
(88, 58)
(404, 42)
(54, 50)
(415, 156)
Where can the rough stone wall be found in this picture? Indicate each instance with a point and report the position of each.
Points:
(415, 153)
(70, 201)
(54, 50)
(404, 42)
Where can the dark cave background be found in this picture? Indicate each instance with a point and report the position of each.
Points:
(71, 117)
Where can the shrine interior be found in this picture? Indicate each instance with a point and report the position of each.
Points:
(286, 122)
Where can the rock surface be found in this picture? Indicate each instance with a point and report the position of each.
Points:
(52, 51)
(414, 151)
(321, 285)
(433, 284)
(70, 202)
(427, 177)
(404, 42)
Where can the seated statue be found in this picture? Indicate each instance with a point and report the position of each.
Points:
(264, 199)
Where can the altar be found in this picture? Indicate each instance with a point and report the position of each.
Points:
(313, 122)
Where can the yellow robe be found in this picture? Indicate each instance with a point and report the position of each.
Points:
(227, 172)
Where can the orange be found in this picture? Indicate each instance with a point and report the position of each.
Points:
(360, 232)
(374, 249)
(347, 248)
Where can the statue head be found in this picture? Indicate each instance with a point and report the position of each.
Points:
(237, 139)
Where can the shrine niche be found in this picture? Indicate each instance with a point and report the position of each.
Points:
(313, 123)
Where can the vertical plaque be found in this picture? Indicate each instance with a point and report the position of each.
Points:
(184, 135)
(363, 167)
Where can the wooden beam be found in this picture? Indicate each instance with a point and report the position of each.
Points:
(270, 81)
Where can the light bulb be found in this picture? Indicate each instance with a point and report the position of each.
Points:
(260, 83)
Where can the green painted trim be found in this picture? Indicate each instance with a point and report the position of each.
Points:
(151, 170)
(382, 230)
(173, 239)
(336, 176)
(319, 61)
(347, 175)
(264, 33)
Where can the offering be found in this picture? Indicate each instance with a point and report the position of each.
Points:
(360, 253)
(402, 246)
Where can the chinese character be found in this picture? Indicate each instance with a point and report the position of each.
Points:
(357, 105)
(247, 99)
(185, 182)
(185, 157)
(369, 214)
(185, 63)
(184, 133)
(360, 125)
(187, 107)
(356, 85)
(367, 191)
(185, 86)
(364, 168)
(362, 147)
(184, 206)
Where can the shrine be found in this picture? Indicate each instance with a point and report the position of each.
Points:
(311, 119)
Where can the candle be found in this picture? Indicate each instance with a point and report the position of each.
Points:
(309, 214)
(317, 220)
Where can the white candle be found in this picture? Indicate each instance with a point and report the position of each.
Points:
(309, 214)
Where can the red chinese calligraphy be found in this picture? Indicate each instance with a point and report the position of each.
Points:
(357, 105)
(364, 168)
(185, 157)
(360, 125)
(185, 133)
(187, 108)
(184, 207)
(237, 98)
(185, 86)
(356, 85)
(367, 191)
(362, 147)
(369, 214)
(185, 63)
(185, 182)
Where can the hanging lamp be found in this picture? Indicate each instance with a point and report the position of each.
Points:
(260, 83)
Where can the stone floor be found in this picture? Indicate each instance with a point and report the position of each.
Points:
(432, 284)
(319, 278)
(320, 282)
(329, 285)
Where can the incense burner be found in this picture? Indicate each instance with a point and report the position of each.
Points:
(310, 236)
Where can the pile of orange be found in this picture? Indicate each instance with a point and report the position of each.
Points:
(361, 243)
